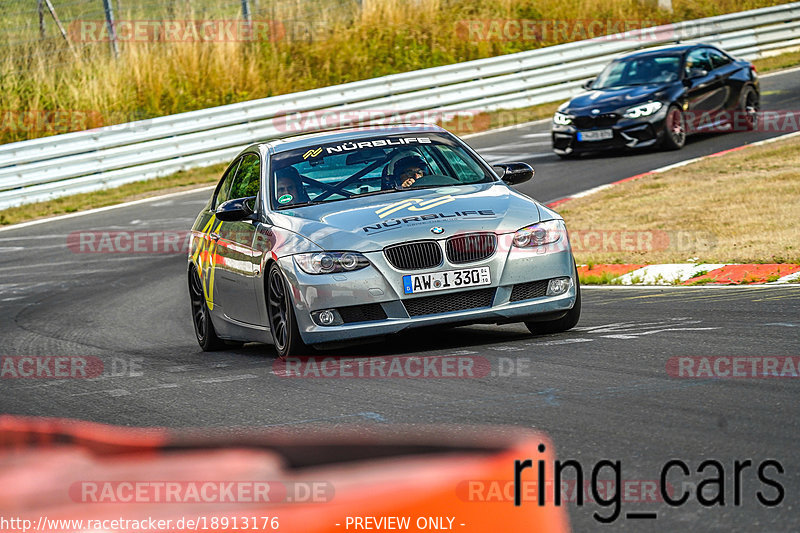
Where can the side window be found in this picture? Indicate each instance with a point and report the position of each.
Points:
(698, 59)
(248, 177)
(223, 190)
(718, 59)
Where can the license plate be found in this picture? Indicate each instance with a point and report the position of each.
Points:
(449, 279)
(595, 135)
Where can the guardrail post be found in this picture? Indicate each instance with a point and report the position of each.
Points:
(112, 32)
(40, 7)
(52, 11)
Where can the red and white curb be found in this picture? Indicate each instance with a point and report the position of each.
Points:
(690, 274)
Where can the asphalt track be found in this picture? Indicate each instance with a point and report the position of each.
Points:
(601, 391)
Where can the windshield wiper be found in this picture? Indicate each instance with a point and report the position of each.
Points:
(302, 204)
(381, 191)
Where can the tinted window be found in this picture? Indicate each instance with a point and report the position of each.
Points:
(223, 189)
(698, 59)
(246, 180)
(718, 59)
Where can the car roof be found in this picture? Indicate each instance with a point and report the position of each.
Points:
(346, 134)
(665, 50)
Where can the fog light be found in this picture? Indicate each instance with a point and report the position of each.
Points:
(326, 318)
(558, 286)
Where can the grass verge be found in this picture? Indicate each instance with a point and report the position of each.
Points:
(778, 62)
(743, 207)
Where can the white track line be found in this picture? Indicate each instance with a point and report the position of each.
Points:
(106, 208)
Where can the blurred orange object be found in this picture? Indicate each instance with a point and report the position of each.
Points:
(375, 478)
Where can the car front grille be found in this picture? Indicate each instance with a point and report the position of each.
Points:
(458, 301)
(527, 291)
(597, 121)
(470, 248)
(414, 255)
(362, 313)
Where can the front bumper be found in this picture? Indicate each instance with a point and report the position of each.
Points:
(627, 134)
(377, 291)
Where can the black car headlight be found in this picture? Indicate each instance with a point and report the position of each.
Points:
(644, 110)
(540, 234)
(562, 119)
(330, 262)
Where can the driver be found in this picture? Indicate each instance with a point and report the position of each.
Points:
(408, 170)
(647, 71)
(289, 182)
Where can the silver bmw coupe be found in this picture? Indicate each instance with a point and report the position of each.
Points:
(354, 233)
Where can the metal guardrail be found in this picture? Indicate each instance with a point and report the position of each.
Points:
(85, 161)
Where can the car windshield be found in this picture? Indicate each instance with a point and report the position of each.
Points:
(376, 165)
(641, 70)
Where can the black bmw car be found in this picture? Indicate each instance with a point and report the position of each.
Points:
(656, 97)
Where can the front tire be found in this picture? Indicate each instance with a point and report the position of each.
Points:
(282, 320)
(201, 315)
(674, 129)
(566, 322)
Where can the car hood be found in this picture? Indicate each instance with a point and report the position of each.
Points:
(609, 100)
(373, 222)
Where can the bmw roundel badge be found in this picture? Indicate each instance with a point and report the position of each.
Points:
(437, 230)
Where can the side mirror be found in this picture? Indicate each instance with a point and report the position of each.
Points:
(588, 84)
(697, 73)
(514, 173)
(235, 210)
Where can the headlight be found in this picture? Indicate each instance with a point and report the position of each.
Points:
(643, 110)
(330, 262)
(540, 234)
(561, 119)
